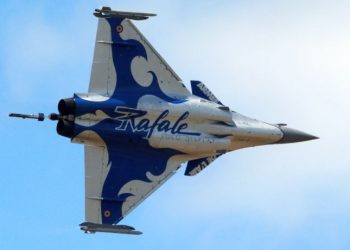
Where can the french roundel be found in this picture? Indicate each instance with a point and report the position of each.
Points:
(119, 28)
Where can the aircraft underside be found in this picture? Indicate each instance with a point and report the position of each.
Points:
(139, 124)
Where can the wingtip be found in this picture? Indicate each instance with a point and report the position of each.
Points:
(108, 12)
(89, 227)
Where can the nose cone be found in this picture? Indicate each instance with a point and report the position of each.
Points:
(292, 135)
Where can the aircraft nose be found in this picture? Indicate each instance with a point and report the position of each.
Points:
(291, 135)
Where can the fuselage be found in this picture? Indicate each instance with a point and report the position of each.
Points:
(192, 126)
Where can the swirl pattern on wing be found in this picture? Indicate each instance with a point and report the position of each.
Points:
(131, 157)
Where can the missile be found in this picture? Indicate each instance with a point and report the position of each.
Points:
(89, 227)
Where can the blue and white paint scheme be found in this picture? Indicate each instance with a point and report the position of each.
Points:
(139, 124)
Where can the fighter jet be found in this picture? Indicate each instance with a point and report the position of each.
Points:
(139, 124)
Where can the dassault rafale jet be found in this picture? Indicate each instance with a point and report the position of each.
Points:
(139, 123)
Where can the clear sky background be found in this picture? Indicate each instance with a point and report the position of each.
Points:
(277, 61)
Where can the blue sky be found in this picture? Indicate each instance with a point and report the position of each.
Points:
(277, 61)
